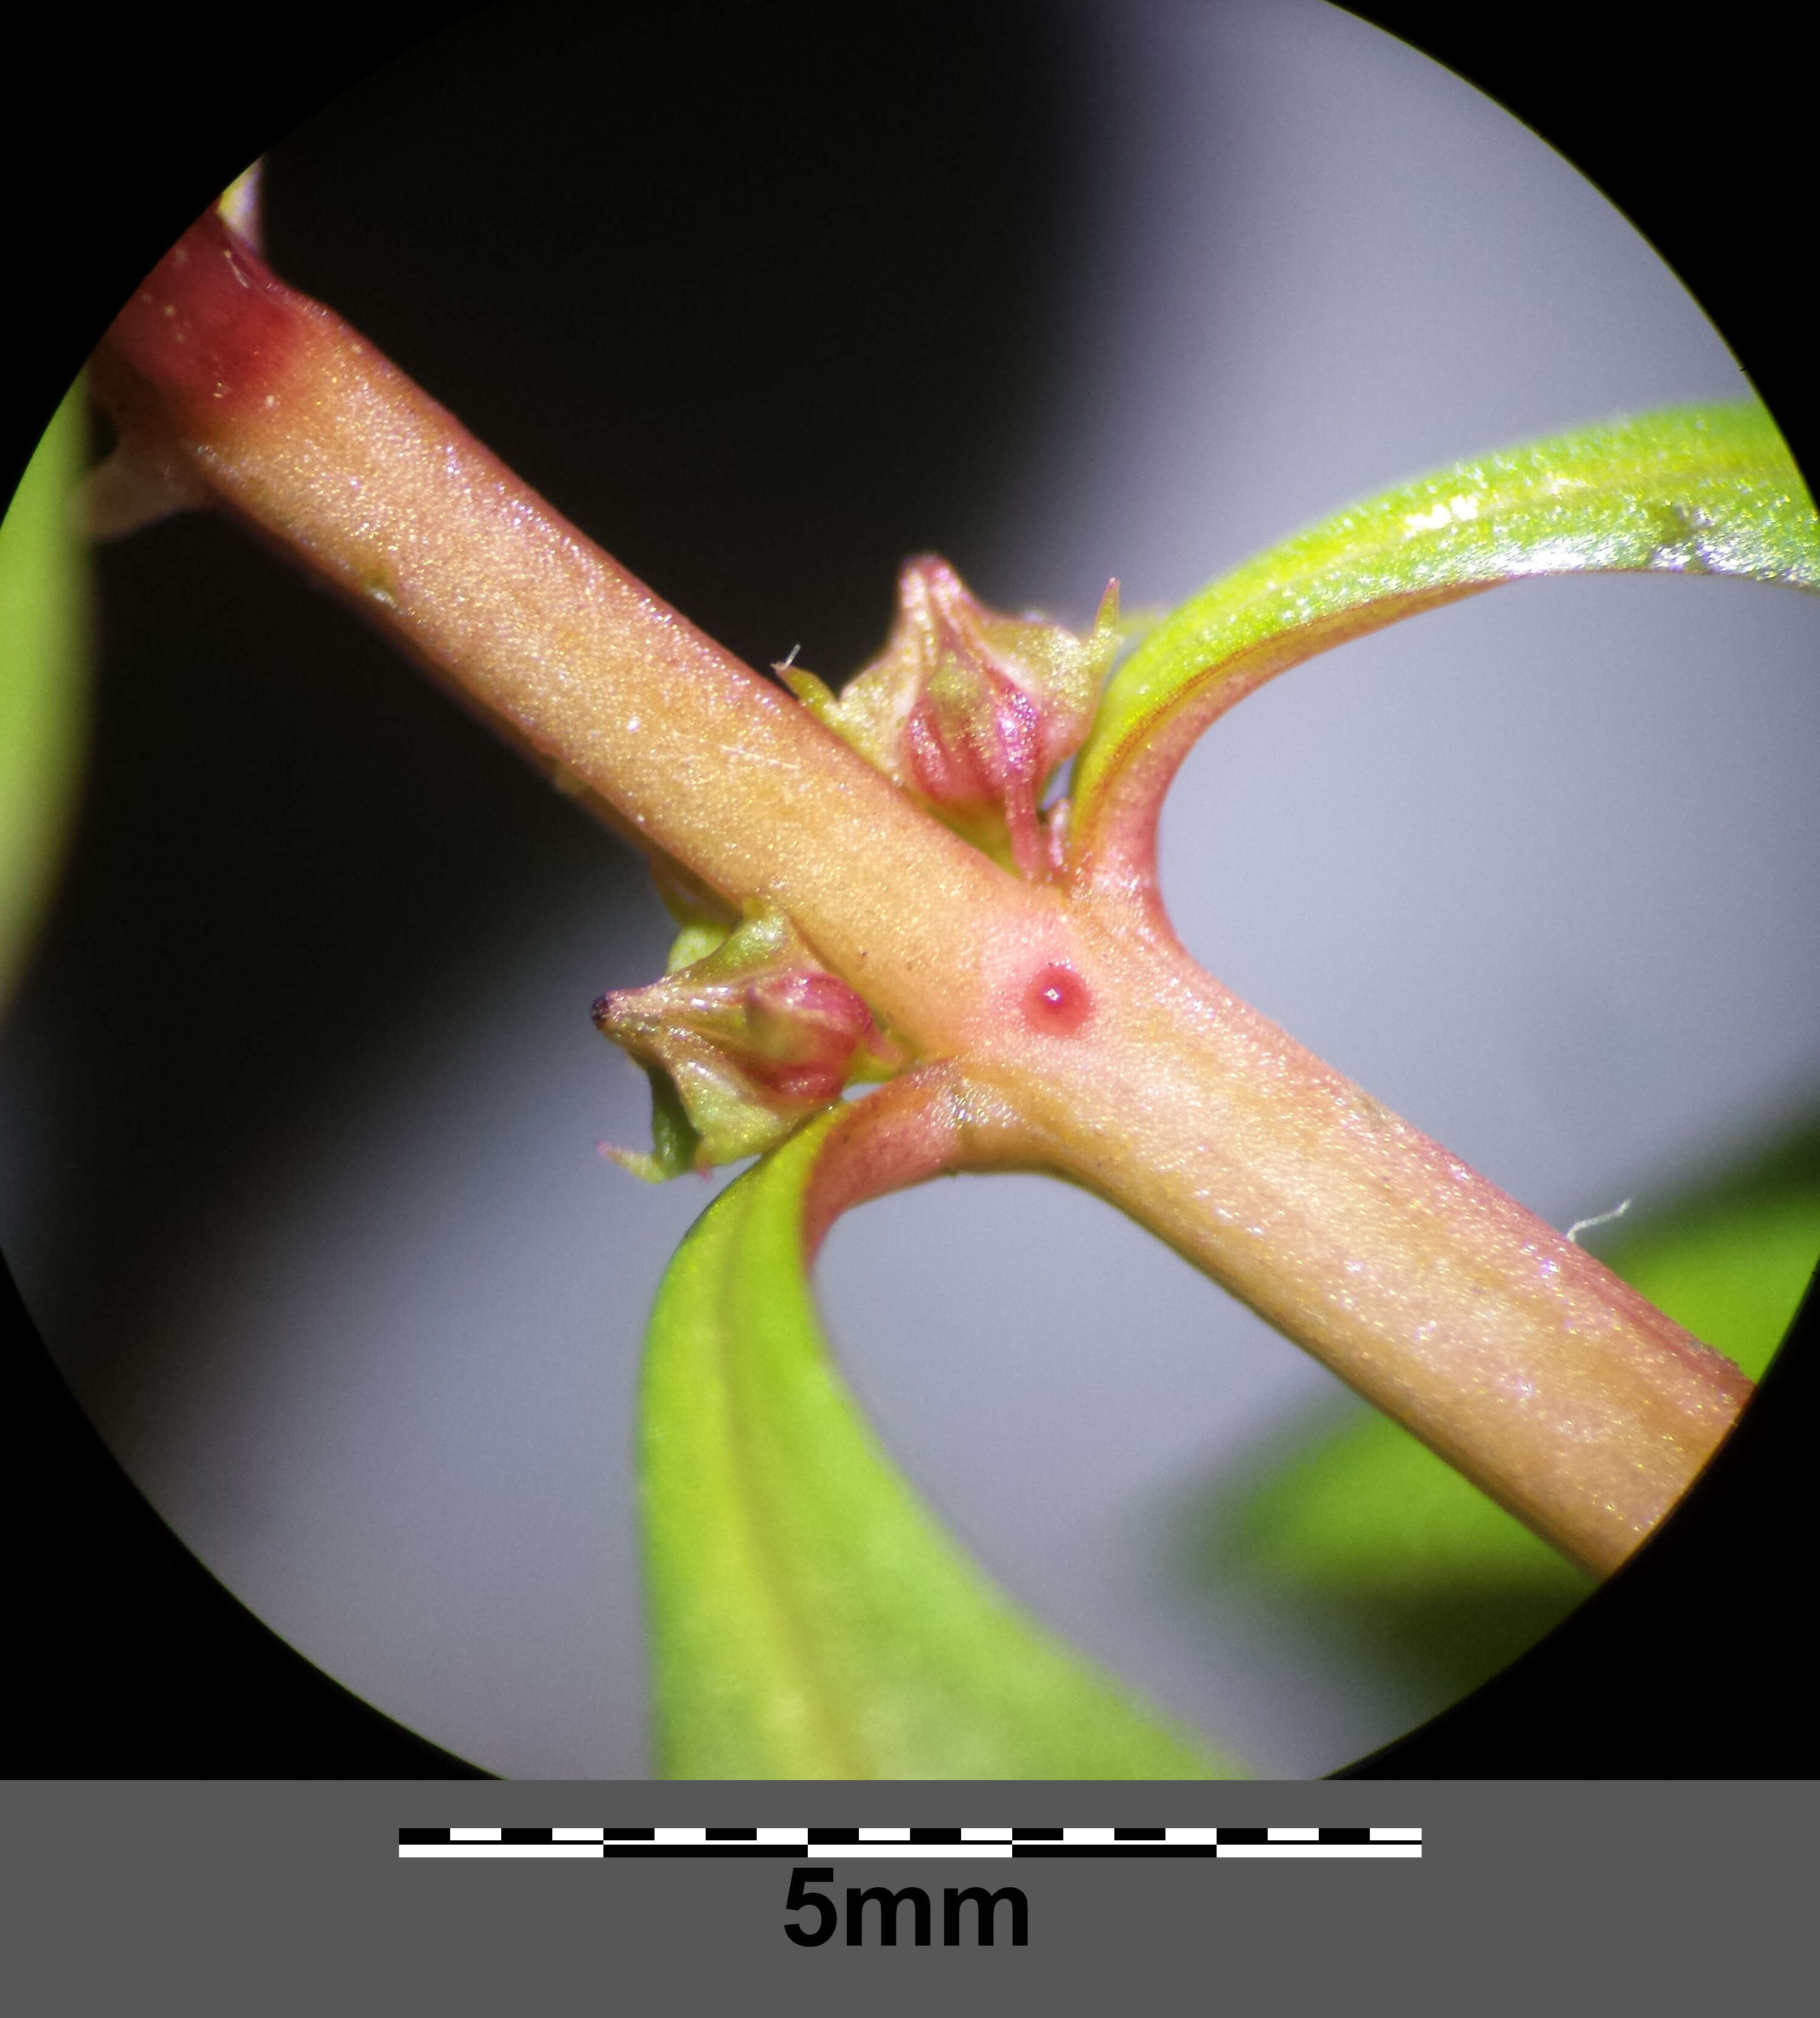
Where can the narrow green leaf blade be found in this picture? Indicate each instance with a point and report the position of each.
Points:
(1690, 490)
(809, 1619)
(44, 655)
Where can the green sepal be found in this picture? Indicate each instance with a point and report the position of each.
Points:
(704, 919)
(695, 941)
(676, 1142)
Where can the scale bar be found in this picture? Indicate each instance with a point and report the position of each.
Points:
(846, 1843)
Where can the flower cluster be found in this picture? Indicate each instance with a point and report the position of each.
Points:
(741, 1045)
(971, 711)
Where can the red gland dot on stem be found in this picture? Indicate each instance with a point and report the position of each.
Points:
(1057, 1001)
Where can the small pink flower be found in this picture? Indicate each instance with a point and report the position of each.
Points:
(742, 1046)
(972, 710)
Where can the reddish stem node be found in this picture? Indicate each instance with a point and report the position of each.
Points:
(212, 327)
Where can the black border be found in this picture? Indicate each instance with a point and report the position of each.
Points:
(1692, 1661)
(129, 1659)
(132, 1661)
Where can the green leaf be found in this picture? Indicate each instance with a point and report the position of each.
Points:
(809, 1620)
(1364, 1526)
(44, 656)
(1733, 1262)
(1692, 490)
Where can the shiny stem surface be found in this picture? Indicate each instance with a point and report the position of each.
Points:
(1121, 1063)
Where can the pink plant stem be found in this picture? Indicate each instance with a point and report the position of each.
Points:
(1509, 1349)
(1084, 1038)
(303, 430)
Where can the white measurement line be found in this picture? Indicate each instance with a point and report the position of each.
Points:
(825, 1843)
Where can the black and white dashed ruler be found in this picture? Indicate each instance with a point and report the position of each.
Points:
(845, 1843)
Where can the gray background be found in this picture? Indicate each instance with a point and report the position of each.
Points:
(1539, 871)
(223, 1886)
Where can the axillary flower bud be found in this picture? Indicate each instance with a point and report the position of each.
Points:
(741, 1045)
(972, 710)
